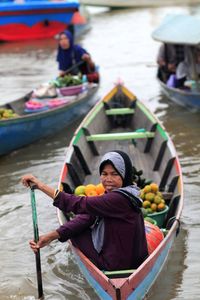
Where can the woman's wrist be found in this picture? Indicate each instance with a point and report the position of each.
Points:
(46, 189)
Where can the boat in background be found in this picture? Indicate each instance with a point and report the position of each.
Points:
(32, 19)
(120, 121)
(134, 3)
(181, 30)
(32, 117)
(80, 23)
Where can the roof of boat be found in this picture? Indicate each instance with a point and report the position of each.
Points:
(178, 29)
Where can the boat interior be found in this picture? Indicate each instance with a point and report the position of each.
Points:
(141, 137)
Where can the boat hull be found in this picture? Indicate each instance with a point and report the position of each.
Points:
(182, 97)
(133, 3)
(18, 132)
(34, 20)
(137, 287)
(120, 121)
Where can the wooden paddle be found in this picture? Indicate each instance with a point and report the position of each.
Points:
(75, 66)
(36, 239)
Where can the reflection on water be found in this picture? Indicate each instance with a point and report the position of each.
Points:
(124, 50)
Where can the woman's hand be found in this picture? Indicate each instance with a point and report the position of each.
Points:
(44, 240)
(29, 179)
(87, 58)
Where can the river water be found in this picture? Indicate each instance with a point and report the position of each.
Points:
(120, 42)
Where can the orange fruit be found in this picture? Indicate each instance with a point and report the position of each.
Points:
(88, 188)
(146, 204)
(154, 187)
(100, 189)
(161, 206)
(154, 207)
(92, 193)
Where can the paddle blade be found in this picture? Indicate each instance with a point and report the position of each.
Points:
(39, 276)
(78, 19)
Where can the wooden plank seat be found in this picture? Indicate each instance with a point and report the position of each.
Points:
(119, 111)
(119, 274)
(120, 136)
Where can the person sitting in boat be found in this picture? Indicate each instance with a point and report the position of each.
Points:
(169, 56)
(187, 70)
(109, 229)
(74, 59)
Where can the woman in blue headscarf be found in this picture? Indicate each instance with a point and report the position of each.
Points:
(70, 55)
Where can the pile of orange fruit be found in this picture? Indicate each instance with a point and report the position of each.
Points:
(89, 190)
(152, 199)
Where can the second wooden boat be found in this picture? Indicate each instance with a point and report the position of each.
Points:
(26, 120)
(181, 30)
(120, 121)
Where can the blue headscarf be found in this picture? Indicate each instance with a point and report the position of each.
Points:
(67, 57)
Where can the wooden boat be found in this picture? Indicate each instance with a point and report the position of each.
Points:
(23, 20)
(181, 30)
(45, 117)
(120, 121)
(134, 3)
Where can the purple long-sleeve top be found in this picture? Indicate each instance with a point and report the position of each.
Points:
(124, 244)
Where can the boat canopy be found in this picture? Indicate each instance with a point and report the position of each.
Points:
(179, 29)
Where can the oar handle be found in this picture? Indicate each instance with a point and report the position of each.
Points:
(75, 66)
(34, 215)
(36, 239)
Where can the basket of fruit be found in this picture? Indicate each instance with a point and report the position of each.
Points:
(69, 85)
(159, 217)
(71, 90)
(154, 204)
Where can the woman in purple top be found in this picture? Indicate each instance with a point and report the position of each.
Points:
(108, 229)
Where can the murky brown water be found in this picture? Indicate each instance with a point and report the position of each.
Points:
(120, 42)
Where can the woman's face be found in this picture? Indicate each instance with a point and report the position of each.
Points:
(110, 178)
(64, 42)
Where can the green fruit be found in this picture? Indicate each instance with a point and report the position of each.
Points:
(144, 212)
(149, 196)
(142, 195)
(157, 199)
(79, 190)
(149, 210)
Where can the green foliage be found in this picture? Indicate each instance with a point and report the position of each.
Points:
(141, 182)
(67, 80)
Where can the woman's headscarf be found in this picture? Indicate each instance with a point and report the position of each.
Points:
(64, 56)
(67, 57)
(121, 163)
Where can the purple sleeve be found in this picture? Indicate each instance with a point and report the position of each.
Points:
(75, 226)
(108, 205)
